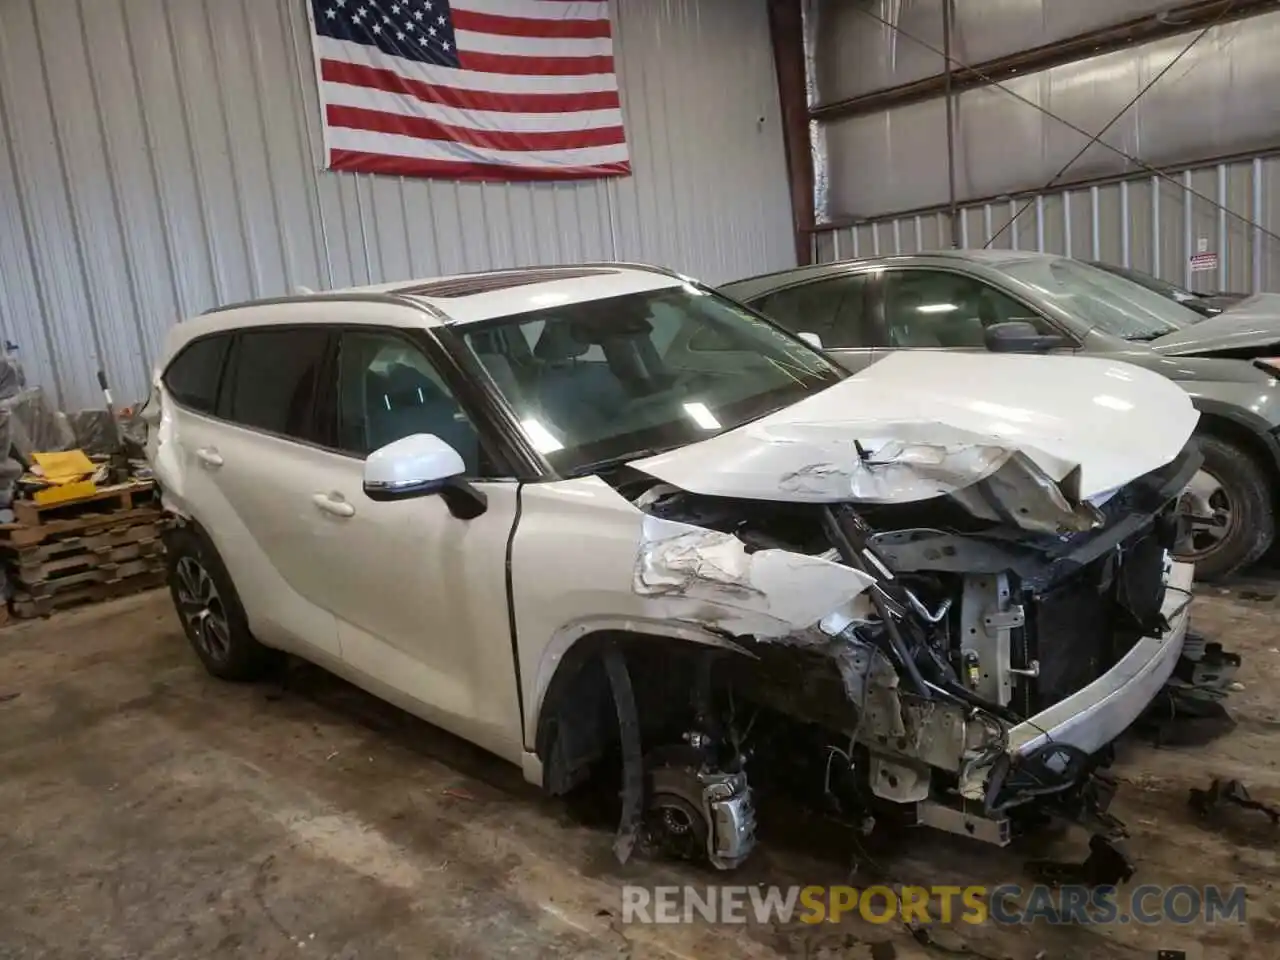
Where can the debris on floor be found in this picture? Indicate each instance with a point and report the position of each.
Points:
(1106, 866)
(1205, 802)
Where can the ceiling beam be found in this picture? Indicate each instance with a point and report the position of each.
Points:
(1178, 19)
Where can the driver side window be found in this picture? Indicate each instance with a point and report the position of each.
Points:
(388, 389)
(937, 309)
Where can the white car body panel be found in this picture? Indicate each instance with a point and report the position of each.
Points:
(580, 560)
(1113, 420)
(411, 602)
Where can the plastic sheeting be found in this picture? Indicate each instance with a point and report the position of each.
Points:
(94, 431)
(34, 425)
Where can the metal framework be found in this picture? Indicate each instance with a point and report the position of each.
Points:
(958, 75)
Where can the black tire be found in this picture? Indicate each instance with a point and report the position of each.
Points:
(1252, 525)
(210, 611)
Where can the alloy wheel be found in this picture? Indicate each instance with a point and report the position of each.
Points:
(1208, 513)
(201, 607)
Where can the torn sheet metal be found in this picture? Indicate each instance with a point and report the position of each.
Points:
(914, 426)
(994, 483)
(709, 576)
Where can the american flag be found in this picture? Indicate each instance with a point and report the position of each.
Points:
(469, 89)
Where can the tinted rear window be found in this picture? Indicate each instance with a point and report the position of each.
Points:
(273, 380)
(192, 377)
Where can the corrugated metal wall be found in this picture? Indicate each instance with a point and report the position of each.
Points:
(158, 157)
(1149, 223)
(1216, 101)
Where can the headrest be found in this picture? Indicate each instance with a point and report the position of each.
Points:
(558, 343)
(402, 379)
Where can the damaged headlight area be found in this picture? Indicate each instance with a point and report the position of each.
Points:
(934, 662)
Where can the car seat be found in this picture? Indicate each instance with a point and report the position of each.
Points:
(404, 401)
(912, 328)
(579, 397)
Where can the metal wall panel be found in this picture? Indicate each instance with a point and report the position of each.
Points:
(1150, 223)
(1215, 102)
(159, 157)
(857, 53)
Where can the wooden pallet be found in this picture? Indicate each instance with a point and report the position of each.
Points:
(63, 563)
(26, 606)
(14, 536)
(120, 497)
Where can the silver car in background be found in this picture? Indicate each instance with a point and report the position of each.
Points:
(1009, 301)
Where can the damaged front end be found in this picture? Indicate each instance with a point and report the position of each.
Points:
(956, 641)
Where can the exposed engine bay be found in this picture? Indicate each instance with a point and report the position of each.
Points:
(937, 662)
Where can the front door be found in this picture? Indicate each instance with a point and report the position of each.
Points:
(419, 594)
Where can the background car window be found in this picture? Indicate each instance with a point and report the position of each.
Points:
(192, 377)
(388, 389)
(934, 308)
(272, 380)
(833, 309)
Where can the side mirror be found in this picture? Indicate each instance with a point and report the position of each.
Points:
(1019, 336)
(419, 465)
(812, 339)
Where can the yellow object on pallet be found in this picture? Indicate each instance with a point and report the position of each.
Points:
(62, 491)
(64, 466)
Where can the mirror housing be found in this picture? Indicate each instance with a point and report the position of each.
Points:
(419, 465)
(1019, 336)
(812, 339)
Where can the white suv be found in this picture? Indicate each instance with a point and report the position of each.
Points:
(600, 517)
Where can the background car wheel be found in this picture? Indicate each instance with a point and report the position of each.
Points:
(210, 610)
(1227, 511)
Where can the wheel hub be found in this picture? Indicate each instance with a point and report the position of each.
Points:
(202, 609)
(1209, 513)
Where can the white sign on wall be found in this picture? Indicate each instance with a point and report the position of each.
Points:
(1202, 262)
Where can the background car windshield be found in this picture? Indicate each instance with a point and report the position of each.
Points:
(1104, 300)
(624, 376)
(1156, 284)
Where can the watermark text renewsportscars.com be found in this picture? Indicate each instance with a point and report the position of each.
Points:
(1003, 904)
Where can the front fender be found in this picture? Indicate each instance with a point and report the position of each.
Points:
(558, 651)
(1245, 407)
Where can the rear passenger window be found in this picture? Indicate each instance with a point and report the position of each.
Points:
(192, 377)
(832, 308)
(273, 380)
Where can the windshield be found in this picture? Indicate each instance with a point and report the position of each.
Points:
(624, 377)
(1163, 287)
(1102, 299)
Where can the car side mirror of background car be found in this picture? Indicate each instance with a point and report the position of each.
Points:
(419, 465)
(1019, 336)
(812, 339)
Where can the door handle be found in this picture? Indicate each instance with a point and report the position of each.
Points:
(209, 456)
(334, 504)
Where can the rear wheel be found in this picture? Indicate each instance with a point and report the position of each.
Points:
(1227, 512)
(210, 610)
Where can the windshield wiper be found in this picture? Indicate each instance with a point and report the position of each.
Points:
(607, 463)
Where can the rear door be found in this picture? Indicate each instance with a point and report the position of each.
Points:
(257, 457)
(835, 309)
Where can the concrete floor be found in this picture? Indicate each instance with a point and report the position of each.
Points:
(150, 811)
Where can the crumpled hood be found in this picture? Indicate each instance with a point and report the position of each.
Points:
(1253, 323)
(933, 422)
